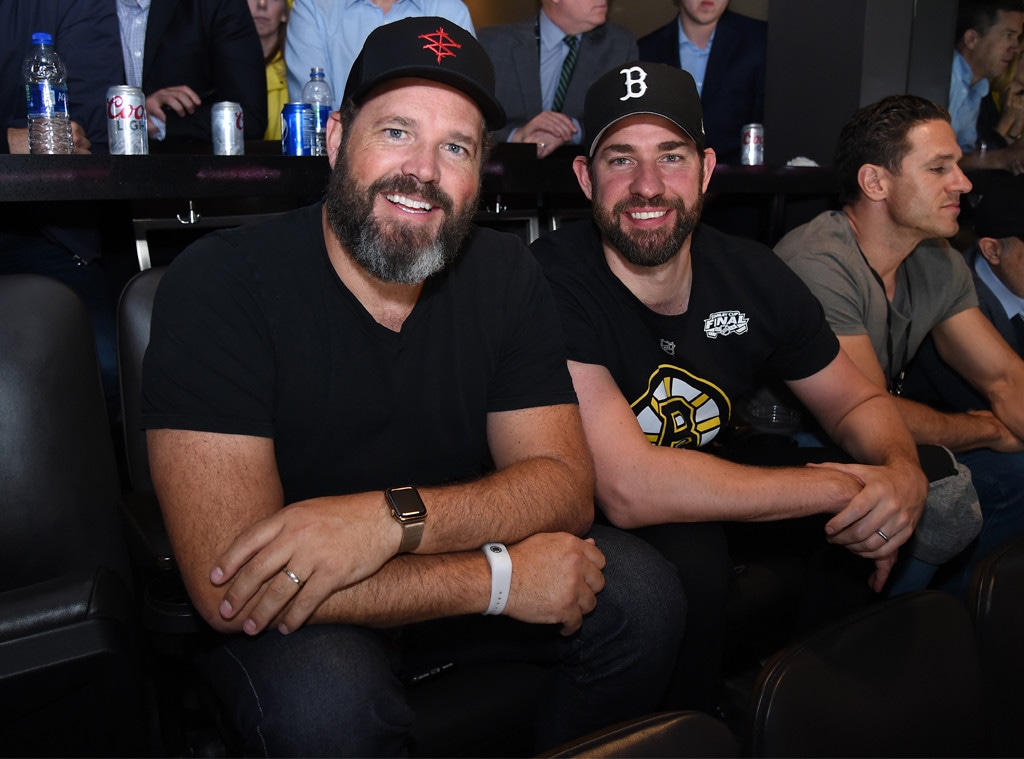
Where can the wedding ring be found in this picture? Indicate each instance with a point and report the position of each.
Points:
(295, 578)
(883, 535)
(541, 145)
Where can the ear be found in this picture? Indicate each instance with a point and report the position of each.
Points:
(710, 161)
(970, 38)
(991, 249)
(872, 181)
(581, 167)
(334, 130)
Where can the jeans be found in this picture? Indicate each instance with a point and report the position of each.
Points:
(337, 690)
(999, 480)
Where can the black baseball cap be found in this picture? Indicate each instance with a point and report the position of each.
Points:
(641, 87)
(1000, 212)
(427, 47)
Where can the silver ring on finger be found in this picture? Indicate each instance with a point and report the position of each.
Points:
(882, 535)
(295, 578)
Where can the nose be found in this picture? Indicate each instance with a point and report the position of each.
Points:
(961, 183)
(423, 162)
(647, 180)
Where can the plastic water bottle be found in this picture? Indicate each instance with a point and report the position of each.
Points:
(317, 92)
(46, 93)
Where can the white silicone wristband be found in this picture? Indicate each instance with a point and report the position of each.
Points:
(501, 576)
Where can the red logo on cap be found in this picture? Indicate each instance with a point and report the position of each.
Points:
(441, 43)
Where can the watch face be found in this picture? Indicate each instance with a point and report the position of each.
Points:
(406, 503)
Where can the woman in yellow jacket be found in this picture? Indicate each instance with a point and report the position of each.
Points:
(271, 18)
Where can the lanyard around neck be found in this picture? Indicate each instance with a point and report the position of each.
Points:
(896, 372)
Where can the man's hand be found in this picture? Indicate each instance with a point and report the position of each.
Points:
(890, 504)
(328, 543)
(17, 140)
(891, 501)
(555, 580)
(1002, 439)
(181, 99)
(548, 130)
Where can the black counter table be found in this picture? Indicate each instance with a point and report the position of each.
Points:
(163, 191)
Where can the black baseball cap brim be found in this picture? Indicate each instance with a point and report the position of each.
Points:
(431, 48)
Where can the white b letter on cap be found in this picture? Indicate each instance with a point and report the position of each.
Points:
(636, 84)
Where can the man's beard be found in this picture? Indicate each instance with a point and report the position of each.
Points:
(392, 251)
(648, 247)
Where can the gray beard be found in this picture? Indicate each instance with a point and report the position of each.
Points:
(394, 252)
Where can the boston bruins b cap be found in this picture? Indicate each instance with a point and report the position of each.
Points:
(640, 87)
(427, 47)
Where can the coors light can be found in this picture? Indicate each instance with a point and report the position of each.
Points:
(752, 145)
(126, 121)
(228, 129)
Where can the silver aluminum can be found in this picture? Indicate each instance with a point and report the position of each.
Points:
(228, 129)
(752, 145)
(126, 121)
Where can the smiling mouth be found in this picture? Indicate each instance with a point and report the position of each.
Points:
(644, 215)
(408, 204)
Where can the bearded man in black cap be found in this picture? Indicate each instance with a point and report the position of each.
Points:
(346, 404)
(669, 324)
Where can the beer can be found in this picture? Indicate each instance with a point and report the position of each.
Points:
(126, 121)
(752, 145)
(228, 129)
(297, 129)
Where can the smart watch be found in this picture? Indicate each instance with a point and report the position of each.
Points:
(409, 511)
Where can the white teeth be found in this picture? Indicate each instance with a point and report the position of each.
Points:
(648, 214)
(408, 202)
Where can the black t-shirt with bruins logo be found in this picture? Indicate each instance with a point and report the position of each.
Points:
(748, 314)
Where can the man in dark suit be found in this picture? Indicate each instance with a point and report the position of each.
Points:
(529, 59)
(725, 54)
(32, 240)
(194, 54)
(85, 35)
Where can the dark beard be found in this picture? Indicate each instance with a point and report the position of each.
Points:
(394, 252)
(650, 248)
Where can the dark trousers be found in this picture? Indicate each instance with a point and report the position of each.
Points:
(337, 690)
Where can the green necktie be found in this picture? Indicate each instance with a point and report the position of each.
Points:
(566, 75)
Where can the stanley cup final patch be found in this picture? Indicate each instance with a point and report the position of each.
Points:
(726, 323)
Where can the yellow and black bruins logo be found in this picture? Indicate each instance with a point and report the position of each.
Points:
(680, 410)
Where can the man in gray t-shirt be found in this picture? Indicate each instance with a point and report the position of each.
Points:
(887, 278)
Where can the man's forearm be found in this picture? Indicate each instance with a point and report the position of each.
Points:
(958, 432)
(535, 495)
(411, 589)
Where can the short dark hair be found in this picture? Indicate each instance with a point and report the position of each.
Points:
(877, 134)
(982, 15)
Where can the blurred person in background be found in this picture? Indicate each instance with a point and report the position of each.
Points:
(66, 248)
(187, 55)
(545, 64)
(271, 19)
(988, 34)
(725, 54)
(330, 34)
(1001, 118)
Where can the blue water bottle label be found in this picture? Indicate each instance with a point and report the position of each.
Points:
(44, 99)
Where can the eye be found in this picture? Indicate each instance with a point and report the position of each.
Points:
(672, 158)
(394, 133)
(456, 149)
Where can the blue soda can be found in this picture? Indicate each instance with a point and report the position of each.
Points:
(297, 129)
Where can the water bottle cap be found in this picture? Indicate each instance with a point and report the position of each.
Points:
(316, 71)
(42, 38)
